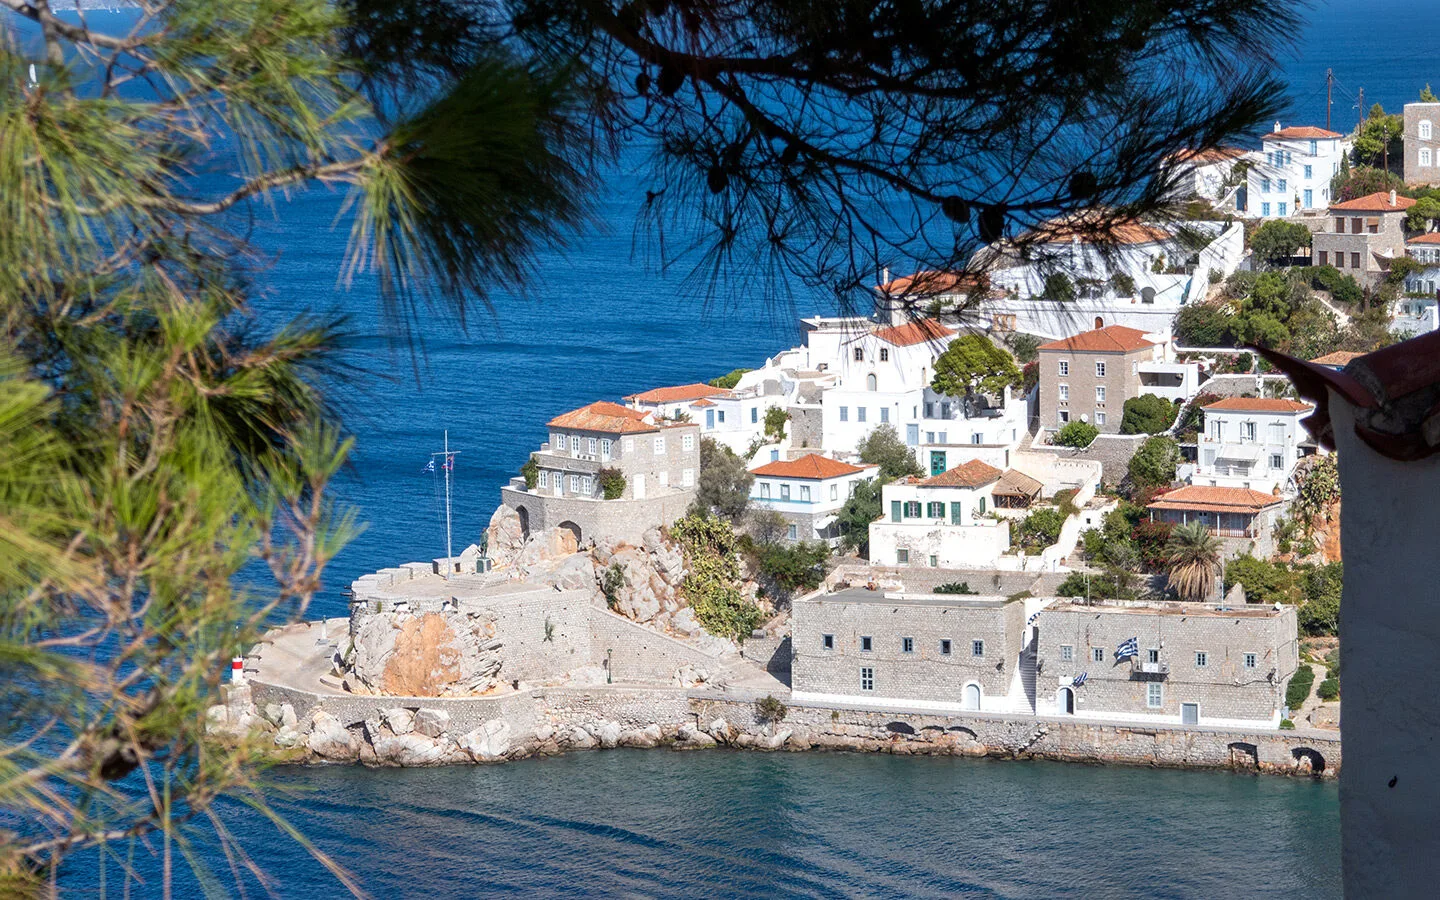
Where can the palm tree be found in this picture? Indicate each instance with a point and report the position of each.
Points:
(1191, 555)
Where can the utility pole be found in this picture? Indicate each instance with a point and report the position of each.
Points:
(1329, 95)
(1361, 106)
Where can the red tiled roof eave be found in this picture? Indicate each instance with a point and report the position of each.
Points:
(810, 466)
(1110, 339)
(971, 474)
(1259, 404)
(1376, 202)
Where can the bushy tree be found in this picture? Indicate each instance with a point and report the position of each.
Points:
(1153, 465)
(1277, 241)
(712, 578)
(775, 419)
(1264, 582)
(1147, 414)
(1427, 95)
(973, 363)
(1038, 530)
(1059, 288)
(1076, 434)
(1379, 137)
(612, 483)
(1423, 215)
(1024, 346)
(1322, 588)
(1203, 325)
(884, 448)
(1362, 181)
(793, 567)
(1343, 288)
(729, 379)
(854, 518)
(723, 485)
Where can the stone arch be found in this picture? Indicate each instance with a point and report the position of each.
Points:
(524, 515)
(568, 527)
(1308, 761)
(1244, 755)
(1065, 701)
(899, 728)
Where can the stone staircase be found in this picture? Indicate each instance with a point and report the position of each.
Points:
(1027, 673)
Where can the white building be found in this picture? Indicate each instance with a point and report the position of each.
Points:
(1292, 171)
(1207, 174)
(1418, 312)
(941, 521)
(882, 373)
(1250, 442)
(809, 492)
(735, 418)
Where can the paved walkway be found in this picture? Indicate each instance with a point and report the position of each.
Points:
(296, 656)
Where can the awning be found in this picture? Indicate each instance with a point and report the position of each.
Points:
(1240, 452)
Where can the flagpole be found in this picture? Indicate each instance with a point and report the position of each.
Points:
(449, 551)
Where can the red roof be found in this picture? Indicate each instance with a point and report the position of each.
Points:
(1094, 226)
(811, 465)
(971, 474)
(1301, 131)
(933, 282)
(1207, 157)
(1200, 498)
(605, 416)
(1339, 358)
(920, 332)
(1110, 339)
(1432, 237)
(1259, 404)
(678, 394)
(1376, 202)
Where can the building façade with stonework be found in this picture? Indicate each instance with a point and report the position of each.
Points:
(659, 460)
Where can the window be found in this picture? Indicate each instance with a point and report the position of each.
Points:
(1067, 653)
(884, 414)
(1309, 173)
(1064, 368)
(957, 513)
(605, 446)
(804, 493)
(1099, 418)
(907, 645)
(1249, 660)
(980, 506)
(870, 383)
(834, 492)
(1324, 257)
(687, 477)
(590, 446)
(977, 438)
(587, 485)
(1339, 226)
(1100, 394)
(754, 414)
(1284, 209)
(844, 413)
(784, 492)
(792, 532)
(1097, 654)
(1355, 225)
(866, 644)
(1152, 655)
(912, 509)
(859, 413)
(687, 443)
(1425, 130)
(1354, 260)
(1309, 197)
(1064, 416)
(1247, 431)
(557, 441)
(1277, 461)
(1064, 392)
(935, 510)
(1281, 188)
(629, 445)
(859, 354)
(1425, 157)
(574, 443)
(1264, 209)
(867, 678)
(934, 561)
(827, 642)
(1202, 659)
(544, 479)
(902, 557)
(1314, 149)
(1154, 695)
(1264, 185)
(884, 354)
(977, 648)
(659, 446)
(1099, 370)
(663, 478)
(765, 490)
(574, 484)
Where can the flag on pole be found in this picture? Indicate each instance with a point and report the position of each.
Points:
(1079, 679)
(450, 463)
(1127, 649)
(1035, 615)
(429, 467)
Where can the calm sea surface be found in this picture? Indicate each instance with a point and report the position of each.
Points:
(597, 323)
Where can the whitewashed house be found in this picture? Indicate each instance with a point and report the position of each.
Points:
(809, 492)
(883, 373)
(733, 417)
(1207, 174)
(1250, 442)
(1417, 312)
(1291, 173)
(942, 521)
(956, 429)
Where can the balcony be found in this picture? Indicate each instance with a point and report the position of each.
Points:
(1149, 671)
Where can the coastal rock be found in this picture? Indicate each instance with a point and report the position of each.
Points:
(272, 713)
(800, 739)
(773, 741)
(400, 720)
(685, 622)
(218, 714)
(577, 738)
(429, 655)
(288, 719)
(331, 740)
(488, 742)
(719, 729)
(643, 738)
(544, 733)
(506, 536)
(576, 572)
(409, 750)
(608, 733)
(287, 737)
(432, 722)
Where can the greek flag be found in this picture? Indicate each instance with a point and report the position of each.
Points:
(429, 467)
(1079, 679)
(1033, 617)
(1127, 649)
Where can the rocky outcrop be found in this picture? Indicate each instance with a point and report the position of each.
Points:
(427, 655)
(489, 742)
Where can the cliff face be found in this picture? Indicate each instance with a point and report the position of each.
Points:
(429, 655)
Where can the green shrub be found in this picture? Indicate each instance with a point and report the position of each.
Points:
(1024, 346)
(794, 566)
(1329, 689)
(1153, 465)
(1299, 687)
(531, 473)
(1038, 530)
(1287, 725)
(770, 710)
(1059, 287)
(729, 380)
(611, 581)
(954, 587)
(1322, 587)
(712, 584)
(1332, 662)
(1265, 582)
(1076, 434)
(1065, 502)
(1147, 414)
(775, 419)
(612, 483)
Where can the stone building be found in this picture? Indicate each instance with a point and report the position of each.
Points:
(809, 492)
(1422, 143)
(1364, 235)
(659, 461)
(1243, 519)
(941, 521)
(1250, 442)
(924, 651)
(1088, 377)
(1197, 665)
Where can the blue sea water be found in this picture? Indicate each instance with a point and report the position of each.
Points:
(596, 323)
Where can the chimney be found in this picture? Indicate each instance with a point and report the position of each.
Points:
(885, 278)
(1392, 196)
(1277, 124)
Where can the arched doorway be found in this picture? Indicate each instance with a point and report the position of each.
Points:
(1065, 701)
(524, 515)
(972, 696)
(1099, 322)
(870, 382)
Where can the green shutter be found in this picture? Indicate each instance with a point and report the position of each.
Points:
(895, 511)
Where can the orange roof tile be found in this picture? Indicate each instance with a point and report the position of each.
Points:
(1110, 339)
(1259, 404)
(1338, 358)
(1215, 499)
(1432, 237)
(1092, 226)
(932, 282)
(1206, 157)
(913, 333)
(678, 393)
(811, 465)
(1376, 202)
(702, 403)
(607, 417)
(1301, 131)
(970, 474)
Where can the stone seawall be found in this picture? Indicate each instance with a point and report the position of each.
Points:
(422, 731)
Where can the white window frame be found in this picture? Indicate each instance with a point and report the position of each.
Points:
(1067, 652)
(1425, 130)
(1099, 369)
(687, 443)
(764, 490)
(629, 445)
(792, 532)
(606, 445)
(574, 484)
(687, 477)
(907, 645)
(859, 354)
(977, 649)
(1251, 660)
(834, 492)
(1097, 654)
(867, 678)
(804, 493)
(1099, 393)
(592, 445)
(1064, 368)
(1099, 418)
(544, 481)
(1064, 392)
(575, 444)
(660, 446)
(1154, 695)
(1202, 659)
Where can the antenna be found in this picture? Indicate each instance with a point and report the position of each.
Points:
(447, 465)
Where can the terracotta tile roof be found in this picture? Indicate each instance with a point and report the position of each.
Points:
(1215, 499)
(1017, 484)
(1376, 202)
(678, 394)
(1259, 404)
(933, 282)
(1092, 226)
(912, 333)
(972, 474)
(811, 465)
(1207, 157)
(1339, 358)
(605, 416)
(702, 403)
(1301, 131)
(1110, 339)
(1432, 237)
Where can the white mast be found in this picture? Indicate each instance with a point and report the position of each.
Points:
(447, 463)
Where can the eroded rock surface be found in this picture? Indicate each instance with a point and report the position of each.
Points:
(428, 655)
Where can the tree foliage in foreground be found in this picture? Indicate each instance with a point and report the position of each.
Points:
(884, 448)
